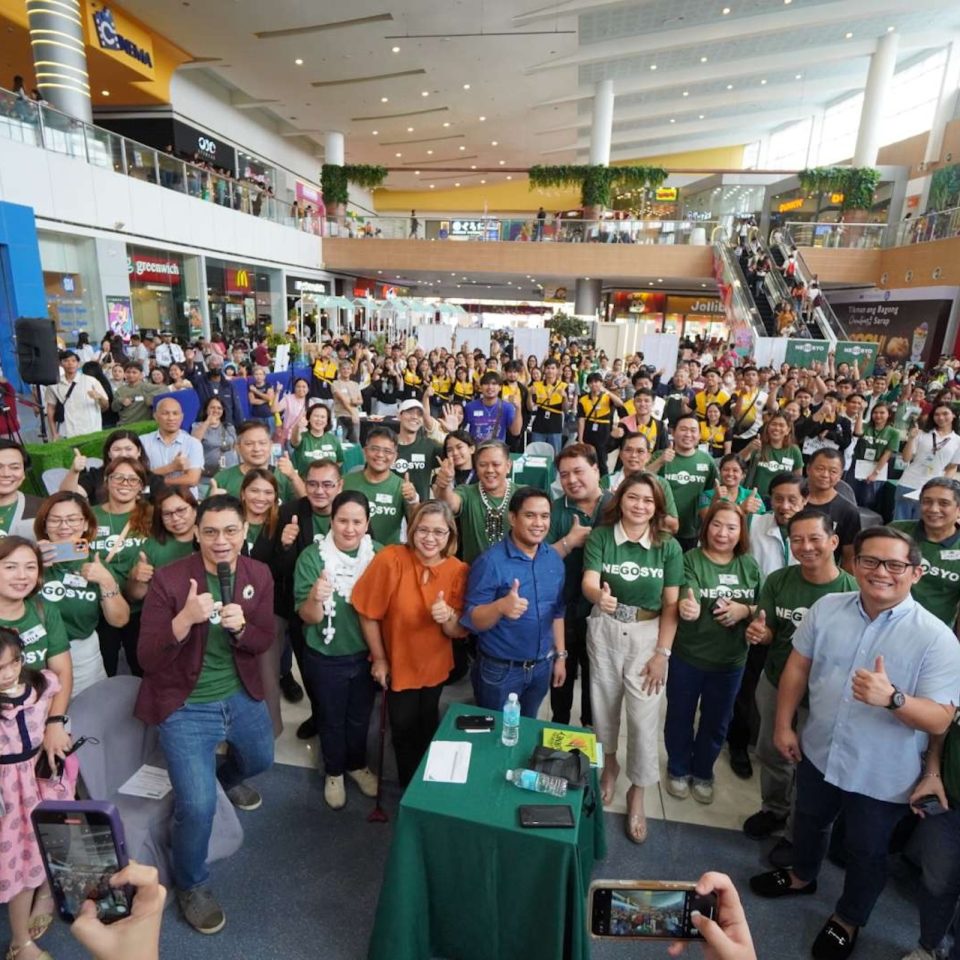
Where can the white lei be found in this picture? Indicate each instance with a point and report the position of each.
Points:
(343, 571)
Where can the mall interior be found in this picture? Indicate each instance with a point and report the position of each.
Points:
(160, 170)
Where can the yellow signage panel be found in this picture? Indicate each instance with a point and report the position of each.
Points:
(790, 205)
(119, 38)
(836, 198)
(667, 193)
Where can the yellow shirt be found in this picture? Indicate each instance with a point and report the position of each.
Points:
(714, 436)
(325, 370)
(749, 408)
(441, 387)
(511, 393)
(549, 398)
(651, 431)
(463, 391)
(704, 399)
(597, 409)
(411, 379)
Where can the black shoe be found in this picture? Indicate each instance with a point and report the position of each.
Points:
(762, 825)
(776, 884)
(307, 730)
(291, 690)
(833, 942)
(740, 763)
(781, 856)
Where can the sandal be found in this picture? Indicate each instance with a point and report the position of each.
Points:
(40, 922)
(15, 951)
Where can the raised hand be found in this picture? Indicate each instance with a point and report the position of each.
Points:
(407, 490)
(577, 534)
(142, 571)
(285, 466)
(198, 606)
(607, 602)
(873, 686)
(95, 572)
(688, 607)
(290, 532)
(753, 503)
(79, 461)
(512, 605)
(441, 611)
(758, 631)
(323, 588)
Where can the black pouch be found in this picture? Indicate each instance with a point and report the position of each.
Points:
(572, 765)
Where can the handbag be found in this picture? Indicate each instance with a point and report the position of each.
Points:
(572, 765)
(59, 407)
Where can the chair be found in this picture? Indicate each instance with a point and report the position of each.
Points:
(539, 448)
(105, 711)
(53, 477)
(94, 463)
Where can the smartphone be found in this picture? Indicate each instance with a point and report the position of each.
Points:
(546, 815)
(276, 452)
(930, 805)
(646, 910)
(83, 846)
(475, 723)
(65, 552)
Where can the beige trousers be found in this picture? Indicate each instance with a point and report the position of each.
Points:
(618, 653)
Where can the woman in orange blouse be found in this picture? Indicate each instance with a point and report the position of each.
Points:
(409, 600)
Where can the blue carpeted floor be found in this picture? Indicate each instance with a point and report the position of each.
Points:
(305, 884)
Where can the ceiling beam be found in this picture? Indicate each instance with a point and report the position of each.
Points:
(565, 8)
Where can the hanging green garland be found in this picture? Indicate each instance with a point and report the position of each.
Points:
(597, 183)
(335, 180)
(857, 184)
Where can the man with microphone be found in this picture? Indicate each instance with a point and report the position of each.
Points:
(206, 620)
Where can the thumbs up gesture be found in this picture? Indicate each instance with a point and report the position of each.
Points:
(577, 534)
(142, 571)
(873, 686)
(285, 466)
(607, 602)
(758, 631)
(94, 571)
(512, 605)
(719, 491)
(198, 606)
(290, 531)
(323, 588)
(688, 607)
(441, 611)
(214, 489)
(407, 490)
(79, 461)
(753, 503)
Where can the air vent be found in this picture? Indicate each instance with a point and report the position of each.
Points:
(370, 79)
(321, 27)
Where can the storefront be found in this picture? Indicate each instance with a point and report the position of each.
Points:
(305, 293)
(71, 285)
(156, 289)
(240, 298)
(669, 313)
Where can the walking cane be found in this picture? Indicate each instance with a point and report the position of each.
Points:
(378, 814)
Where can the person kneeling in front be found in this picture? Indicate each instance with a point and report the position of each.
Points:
(878, 668)
(201, 686)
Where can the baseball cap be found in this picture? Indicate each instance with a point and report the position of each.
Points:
(411, 405)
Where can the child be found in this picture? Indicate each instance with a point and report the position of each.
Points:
(25, 697)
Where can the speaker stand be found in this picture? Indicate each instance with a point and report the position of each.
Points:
(40, 414)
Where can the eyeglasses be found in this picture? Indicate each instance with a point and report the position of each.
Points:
(65, 521)
(229, 532)
(321, 484)
(177, 514)
(436, 534)
(896, 567)
(386, 451)
(125, 481)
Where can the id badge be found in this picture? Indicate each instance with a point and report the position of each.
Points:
(594, 427)
(74, 580)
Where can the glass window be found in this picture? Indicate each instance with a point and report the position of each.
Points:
(788, 146)
(912, 102)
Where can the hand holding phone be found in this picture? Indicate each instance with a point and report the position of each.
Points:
(647, 910)
(726, 936)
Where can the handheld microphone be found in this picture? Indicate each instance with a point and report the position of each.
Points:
(226, 587)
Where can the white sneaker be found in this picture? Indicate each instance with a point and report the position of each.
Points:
(365, 779)
(918, 953)
(335, 793)
(678, 787)
(702, 791)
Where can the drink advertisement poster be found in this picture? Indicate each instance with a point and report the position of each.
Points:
(120, 317)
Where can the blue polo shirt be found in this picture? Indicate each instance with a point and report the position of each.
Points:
(857, 747)
(541, 584)
(488, 423)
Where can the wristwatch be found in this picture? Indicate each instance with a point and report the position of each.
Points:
(897, 699)
(57, 718)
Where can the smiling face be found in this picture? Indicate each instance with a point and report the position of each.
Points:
(812, 545)
(258, 497)
(823, 474)
(881, 589)
(492, 469)
(786, 502)
(323, 484)
(169, 416)
(579, 479)
(638, 505)
(531, 522)
(178, 516)
(723, 532)
(731, 474)
(221, 534)
(635, 455)
(19, 573)
(686, 435)
(319, 419)
(12, 472)
(939, 510)
(253, 447)
(349, 524)
(460, 453)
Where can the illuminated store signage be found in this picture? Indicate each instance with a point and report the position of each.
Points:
(790, 205)
(153, 270)
(110, 38)
(666, 194)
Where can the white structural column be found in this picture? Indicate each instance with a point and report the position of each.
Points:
(882, 65)
(946, 110)
(60, 53)
(333, 148)
(587, 297)
(602, 129)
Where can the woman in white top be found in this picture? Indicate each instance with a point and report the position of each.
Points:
(933, 452)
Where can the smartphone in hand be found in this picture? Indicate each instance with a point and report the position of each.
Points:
(647, 910)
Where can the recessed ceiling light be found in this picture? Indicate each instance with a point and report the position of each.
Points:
(672, 120)
(432, 185)
(763, 83)
(462, 147)
(104, 93)
(494, 143)
(483, 181)
(891, 29)
(509, 177)
(729, 86)
(482, 119)
(446, 123)
(409, 129)
(429, 153)
(501, 162)
(686, 93)
(298, 62)
(384, 99)
(848, 36)
(466, 86)
(417, 172)
(398, 154)
(653, 66)
(787, 2)
(799, 76)
(725, 11)
(701, 116)
(473, 166)
(424, 93)
(395, 49)
(376, 133)
(703, 59)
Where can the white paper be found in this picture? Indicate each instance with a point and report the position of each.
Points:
(659, 405)
(536, 461)
(913, 494)
(863, 468)
(448, 761)
(150, 782)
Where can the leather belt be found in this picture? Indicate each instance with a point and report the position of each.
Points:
(525, 664)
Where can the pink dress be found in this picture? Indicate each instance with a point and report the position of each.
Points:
(21, 867)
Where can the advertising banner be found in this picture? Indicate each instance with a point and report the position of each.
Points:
(804, 353)
(120, 317)
(864, 355)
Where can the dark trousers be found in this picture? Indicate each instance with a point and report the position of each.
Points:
(940, 859)
(599, 439)
(561, 698)
(689, 753)
(113, 639)
(414, 718)
(344, 691)
(745, 722)
(299, 645)
(869, 826)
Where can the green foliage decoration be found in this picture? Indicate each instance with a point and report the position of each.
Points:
(857, 184)
(563, 325)
(597, 183)
(336, 180)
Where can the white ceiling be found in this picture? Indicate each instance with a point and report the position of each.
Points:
(531, 70)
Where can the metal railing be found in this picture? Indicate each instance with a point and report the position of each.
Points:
(39, 125)
(930, 226)
(740, 309)
(857, 236)
(823, 314)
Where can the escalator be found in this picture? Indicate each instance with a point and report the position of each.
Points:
(776, 290)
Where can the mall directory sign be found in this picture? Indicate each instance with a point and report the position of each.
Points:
(805, 353)
(864, 355)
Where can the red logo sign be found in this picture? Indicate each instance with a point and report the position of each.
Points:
(153, 270)
(239, 280)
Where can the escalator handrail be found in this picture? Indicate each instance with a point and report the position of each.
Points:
(834, 330)
(748, 305)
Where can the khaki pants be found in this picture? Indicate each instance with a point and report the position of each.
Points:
(777, 788)
(618, 653)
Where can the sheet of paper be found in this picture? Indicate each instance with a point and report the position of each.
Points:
(448, 761)
(864, 468)
(150, 782)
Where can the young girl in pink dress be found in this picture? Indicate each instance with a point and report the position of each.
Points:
(25, 697)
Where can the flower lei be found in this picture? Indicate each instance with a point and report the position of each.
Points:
(343, 571)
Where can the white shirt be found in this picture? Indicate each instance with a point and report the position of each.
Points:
(767, 546)
(168, 353)
(928, 463)
(82, 412)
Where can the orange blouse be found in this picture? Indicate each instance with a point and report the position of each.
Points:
(398, 590)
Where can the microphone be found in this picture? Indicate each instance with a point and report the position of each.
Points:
(226, 588)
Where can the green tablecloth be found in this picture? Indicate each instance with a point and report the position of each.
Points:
(465, 881)
(533, 471)
(352, 456)
(44, 456)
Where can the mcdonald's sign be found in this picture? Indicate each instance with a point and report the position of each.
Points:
(239, 280)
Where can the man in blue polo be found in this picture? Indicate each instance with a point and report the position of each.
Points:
(514, 605)
(491, 417)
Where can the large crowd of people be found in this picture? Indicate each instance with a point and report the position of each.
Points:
(768, 556)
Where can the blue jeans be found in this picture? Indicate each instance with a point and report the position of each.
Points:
(493, 681)
(189, 738)
(343, 691)
(554, 439)
(869, 825)
(906, 509)
(715, 691)
(940, 859)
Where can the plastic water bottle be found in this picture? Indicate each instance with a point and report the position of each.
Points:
(340, 432)
(511, 721)
(538, 782)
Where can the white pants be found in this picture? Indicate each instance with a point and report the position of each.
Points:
(618, 653)
(87, 663)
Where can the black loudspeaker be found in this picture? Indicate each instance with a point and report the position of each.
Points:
(38, 355)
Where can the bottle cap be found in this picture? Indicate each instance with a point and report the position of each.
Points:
(512, 698)
(510, 775)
